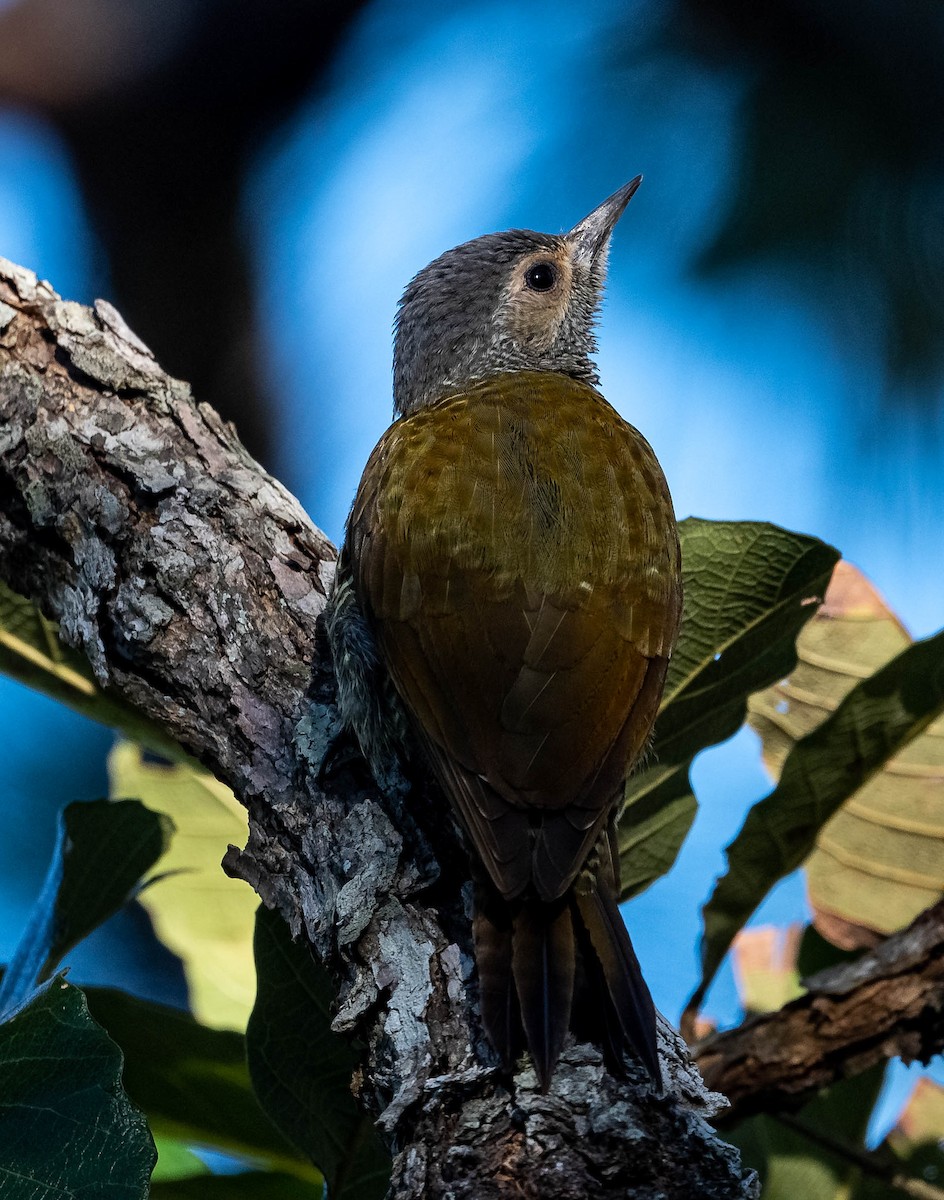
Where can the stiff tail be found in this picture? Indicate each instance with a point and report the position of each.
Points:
(491, 929)
(527, 955)
(543, 963)
(615, 978)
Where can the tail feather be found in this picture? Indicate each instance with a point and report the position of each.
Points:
(533, 956)
(609, 956)
(491, 930)
(543, 964)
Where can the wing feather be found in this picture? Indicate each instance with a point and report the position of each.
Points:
(515, 551)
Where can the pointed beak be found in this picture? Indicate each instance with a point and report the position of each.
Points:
(590, 237)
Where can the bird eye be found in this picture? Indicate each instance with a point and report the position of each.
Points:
(541, 277)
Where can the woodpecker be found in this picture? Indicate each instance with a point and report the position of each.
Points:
(507, 599)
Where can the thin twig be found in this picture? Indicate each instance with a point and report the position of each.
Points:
(866, 1161)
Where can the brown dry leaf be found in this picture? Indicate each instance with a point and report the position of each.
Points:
(922, 1118)
(765, 967)
(880, 860)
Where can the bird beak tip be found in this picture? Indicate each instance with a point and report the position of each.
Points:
(590, 236)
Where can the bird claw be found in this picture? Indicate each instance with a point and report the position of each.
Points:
(326, 745)
(320, 738)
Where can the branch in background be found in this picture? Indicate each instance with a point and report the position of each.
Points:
(889, 1003)
(870, 1164)
(193, 582)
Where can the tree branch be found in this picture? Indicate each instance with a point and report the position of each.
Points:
(193, 583)
(889, 1003)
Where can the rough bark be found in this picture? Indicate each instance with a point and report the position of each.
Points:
(193, 582)
(889, 1003)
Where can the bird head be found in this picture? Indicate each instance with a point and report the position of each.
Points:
(515, 301)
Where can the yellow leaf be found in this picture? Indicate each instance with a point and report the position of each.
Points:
(198, 912)
(880, 860)
(31, 652)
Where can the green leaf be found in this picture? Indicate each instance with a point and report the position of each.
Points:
(794, 1167)
(102, 850)
(816, 953)
(109, 846)
(175, 1160)
(877, 719)
(31, 653)
(652, 830)
(914, 1149)
(302, 1071)
(197, 911)
(253, 1185)
(191, 1082)
(749, 588)
(67, 1127)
